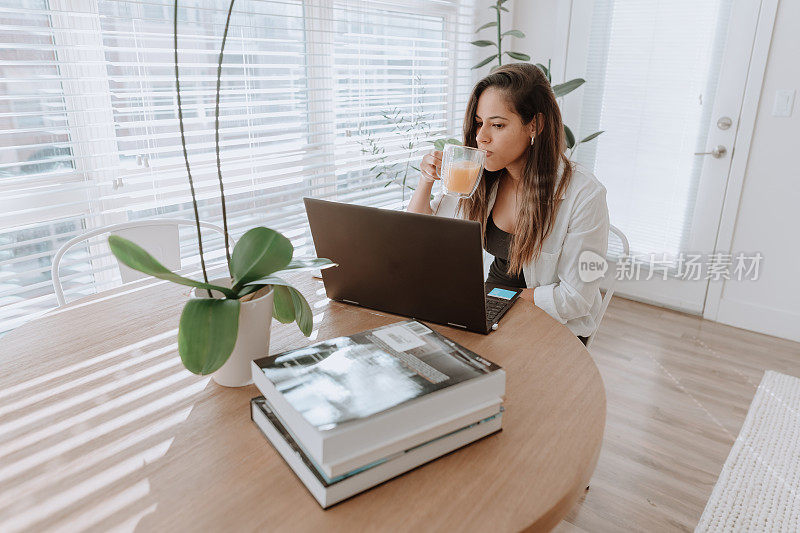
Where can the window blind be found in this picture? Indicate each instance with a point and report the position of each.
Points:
(651, 72)
(325, 98)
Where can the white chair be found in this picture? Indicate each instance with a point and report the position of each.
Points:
(610, 290)
(158, 236)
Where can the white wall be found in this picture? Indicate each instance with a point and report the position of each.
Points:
(546, 27)
(768, 219)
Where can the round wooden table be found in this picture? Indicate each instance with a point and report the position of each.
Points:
(101, 426)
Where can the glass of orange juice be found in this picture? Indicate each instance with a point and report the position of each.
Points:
(462, 168)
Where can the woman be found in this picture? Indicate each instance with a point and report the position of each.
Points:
(538, 211)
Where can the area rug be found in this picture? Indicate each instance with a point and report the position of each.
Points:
(759, 486)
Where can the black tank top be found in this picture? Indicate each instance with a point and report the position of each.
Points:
(498, 243)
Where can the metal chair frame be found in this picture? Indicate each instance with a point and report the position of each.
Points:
(111, 228)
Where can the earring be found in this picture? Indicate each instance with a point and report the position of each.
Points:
(532, 138)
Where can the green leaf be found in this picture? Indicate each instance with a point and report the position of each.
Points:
(514, 33)
(567, 87)
(483, 42)
(570, 136)
(244, 291)
(136, 257)
(260, 252)
(592, 136)
(207, 333)
(487, 25)
(485, 61)
(439, 144)
(519, 56)
(543, 69)
(505, 9)
(309, 264)
(303, 315)
(283, 308)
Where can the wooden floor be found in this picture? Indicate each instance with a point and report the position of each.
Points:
(678, 390)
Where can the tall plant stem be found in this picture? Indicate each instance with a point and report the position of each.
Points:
(499, 39)
(216, 145)
(183, 144)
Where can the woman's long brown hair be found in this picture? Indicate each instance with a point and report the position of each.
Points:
(529, 93)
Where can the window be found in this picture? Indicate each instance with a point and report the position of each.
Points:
(89, 120)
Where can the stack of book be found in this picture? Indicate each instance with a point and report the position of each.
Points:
(352, 412)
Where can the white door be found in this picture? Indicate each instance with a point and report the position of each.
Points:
(666, 81)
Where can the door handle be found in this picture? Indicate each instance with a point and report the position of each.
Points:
(717, 152)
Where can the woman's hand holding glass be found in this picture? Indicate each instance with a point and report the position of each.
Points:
(431, 166)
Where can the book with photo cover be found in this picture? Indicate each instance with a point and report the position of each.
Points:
(328, 491)
(350, 395)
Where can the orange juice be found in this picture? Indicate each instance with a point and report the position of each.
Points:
(461, 176)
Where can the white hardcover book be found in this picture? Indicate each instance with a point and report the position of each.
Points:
(329, 491)
(367, 393)
(420, 435)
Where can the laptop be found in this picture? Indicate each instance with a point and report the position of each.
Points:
(421, 266)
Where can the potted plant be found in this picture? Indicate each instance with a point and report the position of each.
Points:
(226, 323)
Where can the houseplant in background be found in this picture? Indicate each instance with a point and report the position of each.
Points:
(407, 132)
(560, 89)
(227, 322)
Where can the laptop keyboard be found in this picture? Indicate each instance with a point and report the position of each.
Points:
(493, 308)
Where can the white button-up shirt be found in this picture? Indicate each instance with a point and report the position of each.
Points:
(581, 223)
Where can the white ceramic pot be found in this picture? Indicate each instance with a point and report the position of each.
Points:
(252, 342)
